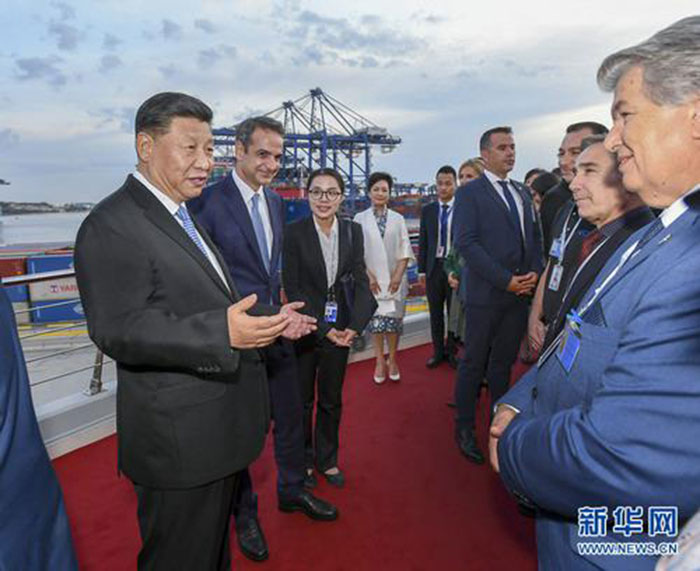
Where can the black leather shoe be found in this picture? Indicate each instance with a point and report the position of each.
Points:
(310, 481)
(452, 361)
(466, 440)
(433, 362)
(306, 502)
(337, 480)
(251, 539)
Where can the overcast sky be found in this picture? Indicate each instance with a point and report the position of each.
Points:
(436, 74)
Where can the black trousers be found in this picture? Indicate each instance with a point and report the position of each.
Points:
(321, 373)
(185, 529)
(287, 429)
(439, 295)
(491, 344)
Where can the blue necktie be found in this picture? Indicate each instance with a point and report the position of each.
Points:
(512, 208)
(187, 223)
(260, 231)
(443, 229)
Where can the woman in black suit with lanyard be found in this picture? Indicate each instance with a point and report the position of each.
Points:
(323, 266)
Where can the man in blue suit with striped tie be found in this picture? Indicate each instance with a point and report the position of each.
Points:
(607, 424)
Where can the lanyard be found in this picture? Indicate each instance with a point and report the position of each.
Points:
(565, 237)
(596, 294)
(580, 268)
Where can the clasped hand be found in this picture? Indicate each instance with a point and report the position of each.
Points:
(523, 285)
(341, 338)
(248, 331)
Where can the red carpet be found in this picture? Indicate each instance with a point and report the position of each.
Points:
(411, 501)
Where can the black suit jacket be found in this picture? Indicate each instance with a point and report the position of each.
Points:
(190, 409)
(428, 237)
(304, 274)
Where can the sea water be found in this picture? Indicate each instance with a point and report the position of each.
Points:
(50, 228)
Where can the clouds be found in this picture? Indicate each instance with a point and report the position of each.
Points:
(212, 56)
(8, 138)
(205, 25)
(170, 30)
(435, 74)
(110, 62)
(37, 68)
(367, 41)
(111, 42)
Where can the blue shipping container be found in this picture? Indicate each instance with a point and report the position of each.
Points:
(71, 310)
(37, 264)
(17, 293)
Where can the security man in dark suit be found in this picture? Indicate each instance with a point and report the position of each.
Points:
(435, 241)
(496, 232)
(192, 399)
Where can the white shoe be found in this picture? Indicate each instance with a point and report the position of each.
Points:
(395, 376)
(379, 380)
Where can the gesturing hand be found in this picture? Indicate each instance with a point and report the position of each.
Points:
(503, 418)
(246, 331)
(299, 324)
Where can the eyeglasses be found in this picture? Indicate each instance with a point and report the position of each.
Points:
(331, 195)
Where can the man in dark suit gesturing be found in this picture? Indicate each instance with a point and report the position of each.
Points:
(192, 404)
(434, 243)
(497, 233)
(246, 220)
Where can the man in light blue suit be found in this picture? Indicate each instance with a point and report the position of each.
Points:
(610, 419)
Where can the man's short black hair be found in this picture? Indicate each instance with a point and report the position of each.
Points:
(446, 169)
(157, 112)
(375, 177)
(595, 128)
(544, 182)
(485, 140)
(536, 170)
(245, 129)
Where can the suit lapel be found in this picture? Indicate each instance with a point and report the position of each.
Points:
(316, 253)
(222, 263)
(662, 238)
(490, 191)
(239, 212)
(160, 217)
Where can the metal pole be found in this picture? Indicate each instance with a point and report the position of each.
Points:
(95, 385)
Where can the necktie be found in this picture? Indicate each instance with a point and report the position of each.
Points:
(443, 229)
(512, 208)
(588, 244)
(259, 231)
(187, 223)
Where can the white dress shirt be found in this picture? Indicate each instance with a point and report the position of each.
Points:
(513, 192)
(247, 193)
(329, 248)
(172, 207)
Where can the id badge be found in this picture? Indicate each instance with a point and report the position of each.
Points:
(555, 278)
(555, 250)
(440, 252)
(331, 312)
(570, 343)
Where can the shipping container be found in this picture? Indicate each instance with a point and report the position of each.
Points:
(12, 267)
(72, 311)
